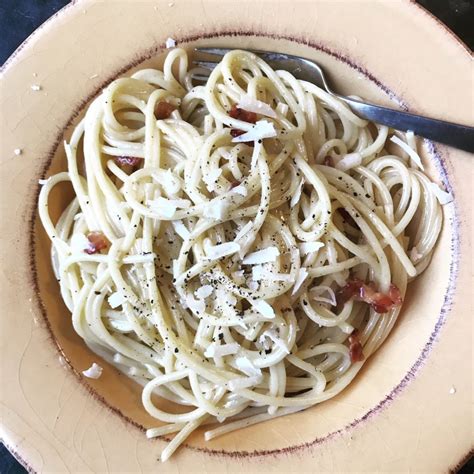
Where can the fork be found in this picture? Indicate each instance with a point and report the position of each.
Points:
(455, 135)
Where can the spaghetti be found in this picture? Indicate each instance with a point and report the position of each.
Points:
(238, 247)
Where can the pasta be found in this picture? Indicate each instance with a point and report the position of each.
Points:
(238, 246)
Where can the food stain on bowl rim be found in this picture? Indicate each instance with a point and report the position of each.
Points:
(434, 154)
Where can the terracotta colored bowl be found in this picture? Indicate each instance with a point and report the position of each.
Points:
(410, 406)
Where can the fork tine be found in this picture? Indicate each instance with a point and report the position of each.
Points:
(205, 64)
(269, 56)
(213, 51)
(200, 77)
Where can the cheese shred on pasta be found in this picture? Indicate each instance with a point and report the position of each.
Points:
(215, 230)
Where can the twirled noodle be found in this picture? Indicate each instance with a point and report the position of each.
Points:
(217, 288)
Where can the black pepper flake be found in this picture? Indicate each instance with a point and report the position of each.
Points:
(97, 292)
(176, 350)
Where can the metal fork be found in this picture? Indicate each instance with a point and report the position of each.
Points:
(458, 136)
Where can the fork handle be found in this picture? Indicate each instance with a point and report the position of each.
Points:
(458, 136)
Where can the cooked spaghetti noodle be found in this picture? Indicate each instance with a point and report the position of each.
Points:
(238, 247)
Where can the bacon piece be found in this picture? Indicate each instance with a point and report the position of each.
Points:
(366, 292)
(355, 347)
(234, 184)
(328, 161)
(97, 242)
(163, 110)
(241, 114)
(127, 160)
(245, 116)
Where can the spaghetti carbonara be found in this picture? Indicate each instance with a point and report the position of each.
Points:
(240, 246)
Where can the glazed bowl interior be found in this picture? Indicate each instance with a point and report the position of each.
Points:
(382, 377)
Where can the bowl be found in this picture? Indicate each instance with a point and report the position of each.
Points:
(417, 387)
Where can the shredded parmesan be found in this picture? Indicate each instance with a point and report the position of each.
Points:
(238, 277)
(309, 247)
(116, 299)
(181, 229)
(170, 43)
(297, 196)
(240, 189)
(35, 87)
(198, 306)
(18, 151)
(244, 382)
(262, 129)
(410, 151)
(300, 278)
(222, 250)
(262, 256)
(164, 205)
(442, 196)
(245, 365)
(351, 160)
(211, 179)
(263, 308)
(258, 272)
(272, 334)
(215, 209)
(317, 295)
(94, 371)
(79, 242)
(217, 350)
(203, 292)
(254, 105)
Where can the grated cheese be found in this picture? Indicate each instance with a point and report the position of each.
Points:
(251, 104)
(222, 250)
(215, 209)
(94, 371)
(245, 365)
(203, 292)
(317, 292)
(79, 242)
(18, 151)
(217, 350)
(181, 229)
(198, 306)
(211, 177)
(443, 196)
(170, 43)
(263, 308)
(300, 278)
(116, 299)
(262, 256)
(244, 382)
(240, 189)
(262, 129)
(309, 247)
(295, 199)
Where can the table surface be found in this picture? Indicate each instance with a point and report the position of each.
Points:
(19, 18)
